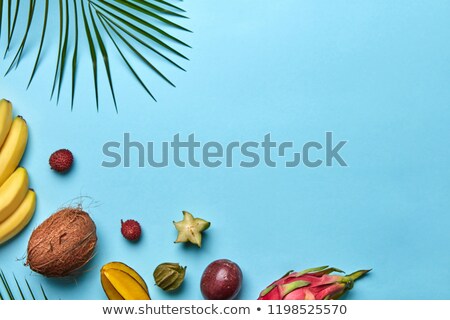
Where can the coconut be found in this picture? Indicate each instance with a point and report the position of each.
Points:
(62, 244)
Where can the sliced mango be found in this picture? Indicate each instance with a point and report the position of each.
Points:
(125, 285)
(109, 289)
(122, 266)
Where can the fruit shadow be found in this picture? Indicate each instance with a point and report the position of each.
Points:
(176, 294)
(87, 274)
(244, 287)
(187, 246)
(69, 172)
(239, 295)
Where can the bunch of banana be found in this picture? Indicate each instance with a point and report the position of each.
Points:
(17, 201)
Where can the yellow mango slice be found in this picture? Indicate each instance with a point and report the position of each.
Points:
(109, 289)
(127, 269)
(126, 285)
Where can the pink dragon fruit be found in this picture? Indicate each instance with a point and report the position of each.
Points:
(311, 284)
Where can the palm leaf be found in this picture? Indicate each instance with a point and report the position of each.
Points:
(43, 292)
(64, 49)
(136, 21)
(158, 8)
(142, 58)
(12, 27)
(142, 32)
(75, 54)
(103, 20)
(91, 51)
(145, 44)
(60, 43)
(170, 5)
(104, 55)
(20, 289)
(123, 23)
(147, 13)
(1, 17)
(16, 59)
(31, 291)
(41, 43)
(5, 287)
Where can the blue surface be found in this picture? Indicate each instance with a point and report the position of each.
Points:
(376, 73)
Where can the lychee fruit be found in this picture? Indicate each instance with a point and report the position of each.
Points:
(131, 230)
(61, 160)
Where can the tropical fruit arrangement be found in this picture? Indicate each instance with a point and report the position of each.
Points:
(17, 200)
(64, 243)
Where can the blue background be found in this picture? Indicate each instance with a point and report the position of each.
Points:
(376, 73)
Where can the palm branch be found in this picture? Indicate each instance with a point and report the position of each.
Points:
(6, 290)
(134, 27)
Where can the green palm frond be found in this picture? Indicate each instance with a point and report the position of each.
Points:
(142, 28)
(6, 291)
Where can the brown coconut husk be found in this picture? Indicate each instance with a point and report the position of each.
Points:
(62, 244)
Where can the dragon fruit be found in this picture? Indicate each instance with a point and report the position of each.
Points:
(311, 284)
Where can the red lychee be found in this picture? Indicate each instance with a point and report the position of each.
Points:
(61, 160)
(131, 230)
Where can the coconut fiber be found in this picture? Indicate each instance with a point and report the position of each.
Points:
(62, 244)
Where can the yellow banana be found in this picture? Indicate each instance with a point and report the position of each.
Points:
(19, 219)
(13, 148)
(12, 193)
(5, 119)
